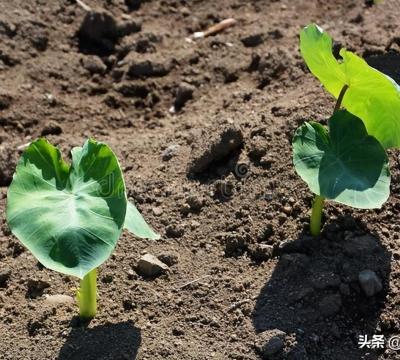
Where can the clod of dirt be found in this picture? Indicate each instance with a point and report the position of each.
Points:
(195, 202)
(99, 28)
(5, 100)
(330, 305)
(252, 40)
(257, 148)
(261, 252)
(212, 147)
(93, 64)
(369, 282)
(365, 244)
(170, 152)
(5, 274)
(174, 231)
(128, 27)
(184, 93)
(235, 244)
(270, 343)
(169, 258)
(149, 266)
(8, 162)
(224, 188)
(58, 299)
(36, 288)
(129, 89)
(138, 68)
(52, 128)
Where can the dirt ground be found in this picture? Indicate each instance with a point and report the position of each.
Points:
(214, 178)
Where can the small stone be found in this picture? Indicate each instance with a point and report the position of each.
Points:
(287, 209)
(170, 152)
(183, 94)
(147, 68)
(149, 266)
(128, 27)
(177, 331)
(51, 128)
(330, 305)
(93, 64)
(58, 299)
(252, 40)
(5, 274)
(370, 282)
(157, 211)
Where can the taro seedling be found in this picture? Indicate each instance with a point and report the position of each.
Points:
(71, 216)
(347, 162)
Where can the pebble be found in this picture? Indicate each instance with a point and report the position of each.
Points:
(59, 299)
(252, 40)
(369, 282)
(269, 343)
(52, 128)
(93, 64)
(150, 266)
(174, 231)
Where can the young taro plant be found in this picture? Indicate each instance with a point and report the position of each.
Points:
(347, 161)
(71, 216)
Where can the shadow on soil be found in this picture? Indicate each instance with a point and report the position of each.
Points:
(313, 300)
(106, 342)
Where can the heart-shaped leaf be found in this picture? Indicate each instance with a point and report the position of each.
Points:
(135, 224)
(69, 217)
(345, 164)
(371, 95)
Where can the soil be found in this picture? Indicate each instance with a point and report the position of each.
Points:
(213, 175)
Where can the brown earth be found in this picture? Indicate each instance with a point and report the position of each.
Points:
(233, 218)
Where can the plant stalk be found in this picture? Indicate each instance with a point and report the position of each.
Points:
(87, 295)
(340, 98)
(316, 215)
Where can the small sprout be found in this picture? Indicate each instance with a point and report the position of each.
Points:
(347, 162)
(71, 216)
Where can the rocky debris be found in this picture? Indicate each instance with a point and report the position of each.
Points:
(149, 266)
(261, 252)
(214, 146)
(5, 274)
(169, 258)
(35, 288)
(184, 93)
(269, 343)
(93, 64)
(5, 100)
(170, 152)
(252, 40)
(174, 231)
(370, 282)
(100, 28)
(8, 162)
(52, 128)
(330, 305)
(360, 245)
(58, 299)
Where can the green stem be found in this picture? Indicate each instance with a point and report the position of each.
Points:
(340, 98)
(87, 295)
(316, 215)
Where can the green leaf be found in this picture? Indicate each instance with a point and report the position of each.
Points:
(372, 96)
(135, 223)
(69, 217)
(345, 164)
